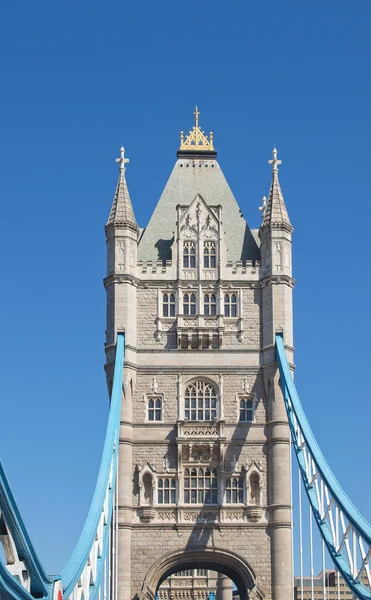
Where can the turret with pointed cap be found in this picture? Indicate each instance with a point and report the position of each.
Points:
(275, 212)
(122, 234)
(275, 233)
(122, 212)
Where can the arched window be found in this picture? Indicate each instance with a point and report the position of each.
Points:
(230, 305)
(234, 490)
(200, 402)
(209, 305)
(166, 488)
(147, 489)
(246, 410)
(254, 489)
(154, 409)
(189, 304)
(189, 255)
(200, 486)
(168, 305)
(209, 255)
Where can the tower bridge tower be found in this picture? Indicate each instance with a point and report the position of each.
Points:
(204, 466)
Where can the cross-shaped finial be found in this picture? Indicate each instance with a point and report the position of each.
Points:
(122, 160)
(263, 206)
(274, 162)
(196, 114)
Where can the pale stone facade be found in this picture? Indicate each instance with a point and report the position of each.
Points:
(204, 467)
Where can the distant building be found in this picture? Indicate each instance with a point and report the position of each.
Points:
(196, 584)
(335, 587)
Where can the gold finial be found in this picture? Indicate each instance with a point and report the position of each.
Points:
(196, 139)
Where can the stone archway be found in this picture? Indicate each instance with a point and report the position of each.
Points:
(215, 559)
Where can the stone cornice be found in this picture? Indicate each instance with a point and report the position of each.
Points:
(276, 280)
(276, 226)
(115, 278)
(122, 225)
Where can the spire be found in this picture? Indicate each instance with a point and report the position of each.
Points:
(274, 210)
(122, 210)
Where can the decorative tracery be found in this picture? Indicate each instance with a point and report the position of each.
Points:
(200, 402)
(200, 486)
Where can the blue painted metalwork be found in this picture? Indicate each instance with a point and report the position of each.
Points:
(86, 573)
(100, 513)
(16, 539)
(346, 533)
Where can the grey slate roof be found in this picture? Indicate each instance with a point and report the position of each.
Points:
(184, 183)
(122, 208)
(275, 211)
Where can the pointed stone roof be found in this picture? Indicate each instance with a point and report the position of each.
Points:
(194, 174)
(274, 209)
(122, 212)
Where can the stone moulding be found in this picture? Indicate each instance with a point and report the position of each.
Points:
(187, 429)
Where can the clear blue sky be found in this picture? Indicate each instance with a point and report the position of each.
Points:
(80, 78)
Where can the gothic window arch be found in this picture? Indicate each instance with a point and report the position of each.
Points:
(230, 304)
(166, 490)
(189, 304)
(189, 254)
(209, 254)
(246, 407)
(168, 304)
(254, 493)
(154, 408)
(234, 490)
(146, 487)
(200, 485)
(209, 304)
(200, 401)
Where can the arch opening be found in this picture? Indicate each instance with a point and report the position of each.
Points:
(212, 559)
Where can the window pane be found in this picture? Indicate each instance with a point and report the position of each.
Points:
(192, 262)
(226, 310)
(172, 310)
(213, 262)
(233, 310)
(160, 498)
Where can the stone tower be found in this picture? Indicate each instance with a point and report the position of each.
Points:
(204, 465)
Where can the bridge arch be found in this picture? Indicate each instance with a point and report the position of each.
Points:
(214, 559)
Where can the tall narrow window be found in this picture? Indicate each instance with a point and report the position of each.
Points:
(246, 410)
(230, 305)
(200, 402)
(234, 490)
(254, 489)
(168, 305)
(166, 488)
(209, 255)
(147, 489)
(200, 486)
(189, 255)
(209, 305)
(189, 304)
(154, 409)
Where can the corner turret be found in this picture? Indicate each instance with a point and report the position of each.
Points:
(275, 233)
